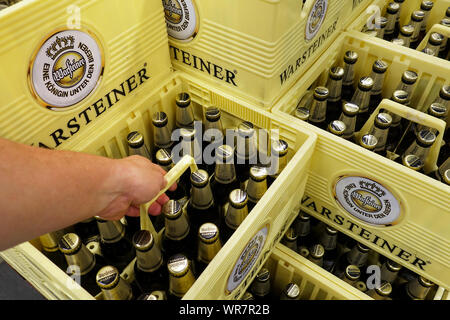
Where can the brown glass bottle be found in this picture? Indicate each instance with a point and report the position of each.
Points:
(391, 16)
(361, 98)
(279, 157)
(406, 33)
(418, 150)
(112, 285)
(49, 242)
(208, 245)
(416, 21)
(349, 116)
(380, 130)
(256, 186)
(356, 256)
(161, 133)
(246, 152)
(290, 239)
(318, 109)
(235, 214)
(261, 285)
(212, 137)
(181, 276)
(425, 6)
(397, 128)
(334, 85)
(184, 115)
(350, 59)
(378, 74)
(382, 292)
(328, 240)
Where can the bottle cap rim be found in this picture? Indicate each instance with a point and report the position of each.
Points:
(183, 99)
(135, 139)
(70, 243)
(107, 277)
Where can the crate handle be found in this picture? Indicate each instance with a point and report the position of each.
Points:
(415, 116)
(171, 177)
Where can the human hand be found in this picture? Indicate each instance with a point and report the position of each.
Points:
(140, 181)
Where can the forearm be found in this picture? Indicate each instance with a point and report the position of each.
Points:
(44, 190)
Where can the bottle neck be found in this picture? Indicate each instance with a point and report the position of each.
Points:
(390, 26)
(350, 124)
(361, 99)
(418, 150)
(213, 130)
(328, 241)
(180, 285)
(207, 251)
(111, 231)
(150, 260)
(162, 137)
(246, 149)
(349, 74)
(234, 216)
(122, 291)
(318, 111)
(82, 259)
(225, 172)
(417, 26)
(176, 229)
(356, 257)
(335, 89)
(184, 117)
(417, 290)
(140, 151)
(50, 241)
(381, 134)
(406, 40)
(202, 197)
(303, 228)
(378, 81)
(256, 189)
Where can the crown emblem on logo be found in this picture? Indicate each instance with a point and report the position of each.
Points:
(371, 186)
(172, 8)
(61, 44)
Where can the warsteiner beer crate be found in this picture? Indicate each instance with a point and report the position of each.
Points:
(123, 76)
(253, 49)
(414, 227)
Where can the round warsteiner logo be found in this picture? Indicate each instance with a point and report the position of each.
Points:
(66, 69)
(315, 18)
(367, 200)
(247, 259)
(181, 19)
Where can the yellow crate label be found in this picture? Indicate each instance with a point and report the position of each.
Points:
(66, 69)
(316, 18)
(367, 200)
(181, 19)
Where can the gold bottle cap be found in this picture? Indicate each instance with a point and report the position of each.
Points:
(379, 66)
(352, 272)
(444, 93)
(172, 209)
(413, 162)
(365, 84)
(159, 119)
(330, 230)
(110, 231)
(350, 109)
(426, 5)
(350, 57)
(336, 73)
(143, 240)
(208, 233)
(258, 173)
(400, 96)
(238, 198)
(212, 114)
(407, 30)
(385, 289)
(393, 266)
(108, 277)
(183, 100)
(163, 158)
(393, 8)
(436, 39)
(70, 244)
(381, 21)
(292, 291)
(178, 265)
(302, 113)
(425, 282)
(426, 138)
(438, 110)
(368, 141)
(409, 77)
(383, 120)
(199, 178)
(417, 16)
(317, 251)
(135, 139)
(303, 216)
(321, 93)
(337, 127)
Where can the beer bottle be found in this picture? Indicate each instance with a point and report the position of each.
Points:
(224, 180)
(290, 239)
(302, 225)
(389, 271)
(380, 26)
(302, 113)
(50, 249)
(236, 212)
(434, 44)
(361, 98)
(136, 145)
(350, 59)
(318, 110)
(202, 207)
(149, 269)
(316, 253)
(261, 286)
(279, 151)
(81, 262)
(405, 34)
(407, 82)
(368, 142)
(415, 289)
(337, 127)
(356, 256)
(184, 115)
(443, 51)
(87, 230)
(391, 17)
(419, 150)
(382, 292)
(328, 240)
(154, 295)
(302, 108)
(256, 186)
(351, 274)
(444, 96)
(246, 151)
(349, 116)
(380, 131)
(181, 276)
(115, 243)
(416, 21)
(191, 146)
(209, 245)
(291, 292)
(213, 136)
(112, 285)
(397, 18)
(161, 134)
(334, 85)
(177, 237)
(396, 130)
(378, 74)
(426, 7)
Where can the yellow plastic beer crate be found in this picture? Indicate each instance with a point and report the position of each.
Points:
(414, 227)
(253, 49)
(115, 75)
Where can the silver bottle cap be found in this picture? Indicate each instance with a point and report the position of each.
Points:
(199, 178)
(350, 109)
(417, 16)
(321, 93)
(426, 137)
(407, 30)
(352, 272)
(183, 100)
(444, 93)
(291, 292)
(337, 127)
(413, 162)
(365, 84)
(258, 173)
(135, 139)
(446, 176)
(350, 57)
(445, 22)
(163, 158)
(178, 265)
(208, 233)
(317, 251)
(400, 96)
(238, 198)
(436, 39)
(184, 113)
(409, 77)
(246, 129)
(438, 110)
(385, 289)
(172, 209)
(212, 114)
(393, 266)
(148, 256)
(70, 244)
(368, 141)
(108, 277)
(159, 119)
(225, 171)
(336, 73)
(143, 240)
(383, 120)
(426, 5)
(379, 66)
(302, 113)
(393, 8)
